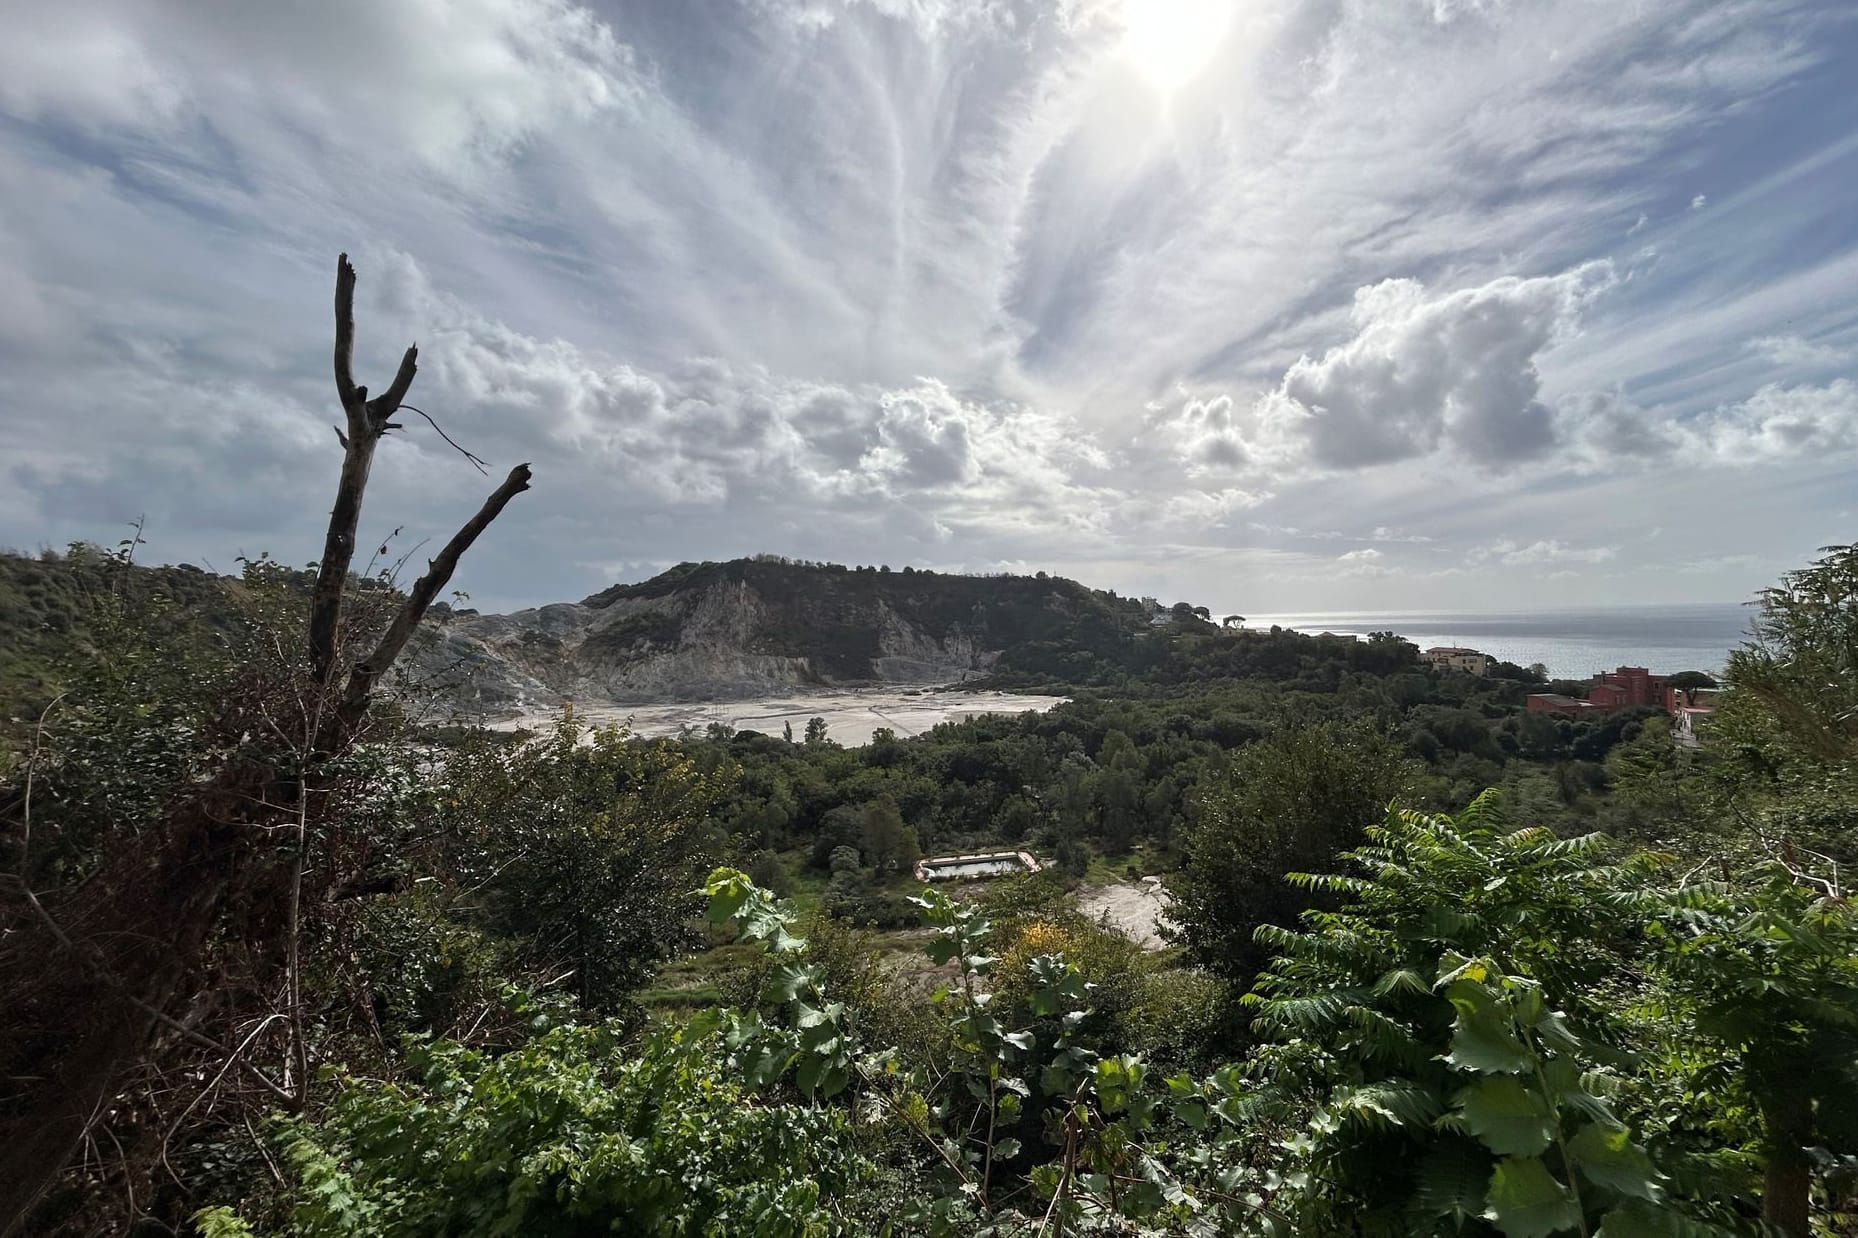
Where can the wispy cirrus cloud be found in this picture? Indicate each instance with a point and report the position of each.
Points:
(957, 280)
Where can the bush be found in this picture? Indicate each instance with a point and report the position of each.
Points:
(574, 1133)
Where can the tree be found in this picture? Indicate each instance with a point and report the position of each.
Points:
(889, 844)
(1801, 667)
(1764, 972)
(1784, 740)
(1116, 787)
(816, 732)
(768, 871)
(1289, 803)
(585, 853)
(194, 918)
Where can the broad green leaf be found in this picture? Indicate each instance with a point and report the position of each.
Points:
(1508, 1118)
(1483, 1041)
(728, 890)
(788, 979)
(1006, 1149)
(1608, 1156)
(1525, 1201)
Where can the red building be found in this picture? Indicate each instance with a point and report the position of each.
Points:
(1625, 688)
(1628, 686)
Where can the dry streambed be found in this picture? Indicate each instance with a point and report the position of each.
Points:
(852, 715)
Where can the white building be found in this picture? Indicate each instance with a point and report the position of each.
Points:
(1455, 658)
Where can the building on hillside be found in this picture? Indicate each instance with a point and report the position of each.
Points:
(1606, 696)
(1631, 687)
(1688, 723)
(1627, 687)
(1691, 711)
(1454, 658)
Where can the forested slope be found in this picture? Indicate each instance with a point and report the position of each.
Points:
(1619, 995)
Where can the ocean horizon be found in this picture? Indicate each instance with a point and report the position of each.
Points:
(1572, 642)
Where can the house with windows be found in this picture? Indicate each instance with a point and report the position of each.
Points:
(1456, 658)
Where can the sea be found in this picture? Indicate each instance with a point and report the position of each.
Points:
(1573, 644)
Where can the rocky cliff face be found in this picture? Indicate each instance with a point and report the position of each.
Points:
(748, 628)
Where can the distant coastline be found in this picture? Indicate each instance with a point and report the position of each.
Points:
(1572, 643)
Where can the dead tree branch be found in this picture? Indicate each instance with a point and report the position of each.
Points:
(367, 421)
(176, 936)
(368, 671)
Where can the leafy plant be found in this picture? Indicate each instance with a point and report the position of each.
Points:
(577, 1131)
(1446, 1034)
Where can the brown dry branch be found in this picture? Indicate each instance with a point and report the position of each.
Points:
(131, 999)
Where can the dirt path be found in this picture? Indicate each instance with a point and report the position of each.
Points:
(1136, 909)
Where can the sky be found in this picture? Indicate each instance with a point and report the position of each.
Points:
(1275, 305)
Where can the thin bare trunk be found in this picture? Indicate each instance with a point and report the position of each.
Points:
(1787, 1185)
(104, 1002)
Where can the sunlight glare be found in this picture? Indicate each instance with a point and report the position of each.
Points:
(1170, 41)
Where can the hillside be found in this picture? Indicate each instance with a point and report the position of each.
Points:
(55, 604)
(747, 627)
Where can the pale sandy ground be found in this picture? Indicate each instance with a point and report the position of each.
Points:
(1135, 909)
(851, 715)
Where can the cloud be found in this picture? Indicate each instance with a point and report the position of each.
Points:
(1421, 373)
(1457, 375)
(1195, 508)
(1699, 202)
(908, 278)
(451, 79)
(1794, 352)
(1381, 533)
(1361, 563)
(1716, 563)
(1513, 554)
(706, 432)
(1209, 436)
(1777, 423)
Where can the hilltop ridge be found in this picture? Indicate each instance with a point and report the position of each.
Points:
(751, 626)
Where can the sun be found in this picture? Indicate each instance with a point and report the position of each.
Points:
(1170, 41)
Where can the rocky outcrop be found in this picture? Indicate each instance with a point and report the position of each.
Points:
(739, 630)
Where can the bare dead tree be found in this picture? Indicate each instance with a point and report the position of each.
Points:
(112, 979)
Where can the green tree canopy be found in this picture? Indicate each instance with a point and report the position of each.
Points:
(1289, 803)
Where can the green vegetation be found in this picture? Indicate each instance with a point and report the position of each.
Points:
(51, 608)
(1441, 967)
(836, 615)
